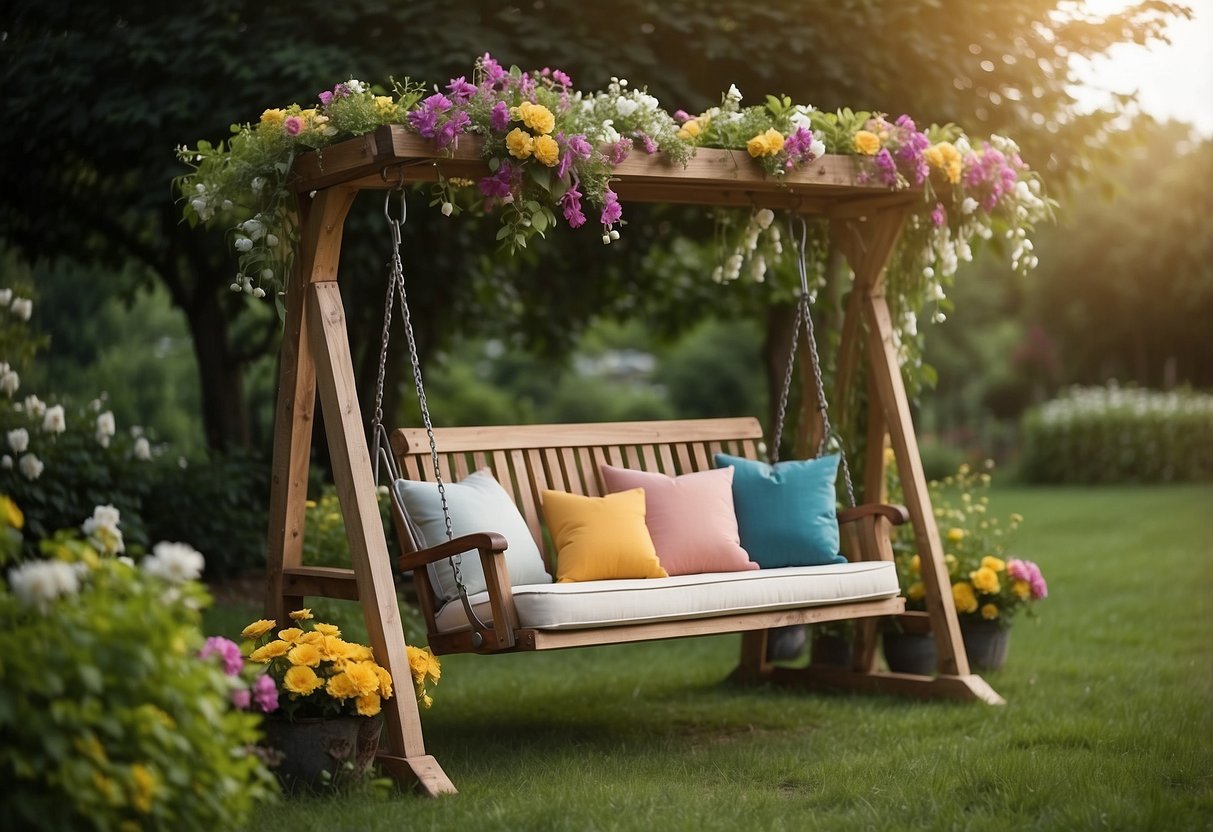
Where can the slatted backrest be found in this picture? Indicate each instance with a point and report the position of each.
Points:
(529, 459)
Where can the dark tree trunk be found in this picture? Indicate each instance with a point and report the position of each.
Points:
(220, 375)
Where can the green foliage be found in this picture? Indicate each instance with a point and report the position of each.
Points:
(1110, 435)
(110, 721)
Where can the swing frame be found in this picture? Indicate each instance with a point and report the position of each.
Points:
(865, 221)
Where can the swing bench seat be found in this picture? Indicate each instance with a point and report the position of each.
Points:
(526, 460)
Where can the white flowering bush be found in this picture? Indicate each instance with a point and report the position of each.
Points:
(1119, 434)
(111, 718)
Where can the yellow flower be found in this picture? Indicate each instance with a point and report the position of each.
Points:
(535, 116)
(916, 592)
(547, 152)
(333, 648)
(361, 653)
(867, 142)
(368, 704)
(301, 679)
(342, 687)
(963, 597)
(273, 118)
(946, 157)
(424, 664)
(765, 144)
(1022, 589)
(955, 535)
(311, 637)
(143, 786)
(991, 562)
(385, 682)
(272, 650)
(10, 514)
(520, 143)
(301, 615)
(690, 130)
(916, 564)
(258, 628)
(290, 634)
(384, 105)
(985, 580)
(989, 612)
(363, 677)
(950, 562)
(327, 629)
(304, 654)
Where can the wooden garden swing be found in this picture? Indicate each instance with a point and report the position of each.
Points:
(865, 220)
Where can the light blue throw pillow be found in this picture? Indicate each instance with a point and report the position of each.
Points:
(786, 512)
(477, 503)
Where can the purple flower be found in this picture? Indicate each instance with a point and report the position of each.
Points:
(1026, 570)
(939, 216)
(499, 118)
(326, 98)
(682, 116)
(886, 167)
(618, 151)
(266, 693)
(437, 102)
(646, 142)
(798, 147)
(493, 73)
(460, 89)
(228, 651)
(611, 209)
(559, 78)
(579, 145)
(571, 203)
(499, 185)
(425, 122)
(453, 126)
(242, 698)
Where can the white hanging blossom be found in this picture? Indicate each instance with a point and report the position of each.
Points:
(34, 406)
(175, 562)
(102, 530)
(6, 297)
(10, 382)
(54, 421)
(143, 449)
(105, 428)
(23, 308)
(18, 440)
(37, 583)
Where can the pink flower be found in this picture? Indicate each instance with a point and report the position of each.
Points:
(939, 216)
(266, 693)
(618, 151)
(499, 118)
(460, 89)
(242, 698)
(611, 209)
(571, 202)
(682, 116)
(646, 142)
(1026, 570)
(227, 650)
(292, 125)
(326, 98)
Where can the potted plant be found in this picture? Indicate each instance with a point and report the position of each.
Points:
(988, 585)
(331, 693)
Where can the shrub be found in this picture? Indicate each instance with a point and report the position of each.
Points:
(1109, 434)
(110, 719)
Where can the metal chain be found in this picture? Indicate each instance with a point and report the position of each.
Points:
(395, 276)
(781, 413)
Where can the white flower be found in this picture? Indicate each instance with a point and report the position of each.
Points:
(243, 244)
(817, 148)
(626, 106)
(968, 206)
(6, 297)
(39, 582)
(143, 449)
(609, 134)
(22, 308)
(34, 406)
(647, 101)
(253, 228)
(447, 209)
(175, 562)
(733, 94)
(105, 428)
(53, 421)
(10, 382)
(764, 218)
(102, 529)
(355, 86)
(271, 240)
(18, 440)
(257, 184)
(258, 293)
(6, 462)
(30, 466)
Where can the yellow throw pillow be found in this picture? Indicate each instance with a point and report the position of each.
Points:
(600, 538)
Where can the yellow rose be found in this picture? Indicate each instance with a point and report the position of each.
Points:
(258, 628)
(301, 615)
(273, 118)
(535, 116)
(991, 562)
(333, 648)
(916, 564)
(1022, 589)
(327, 629)
(547, 152)
(272, 650)
(384, 105)
(10, 513)
(361, 653)
(385, 682)
(423, 663)
(989, 612)
(368, 704)
(363, 677)
(985, 580)
(290, 634)
(341, 687)
(301, 679)
(963, 597)
(311, 637)
(520, 143)
(955, 535)
(916, 592)
(304, 654)
(765, 144)
(690, 130)
(867, 142)
(933, 156)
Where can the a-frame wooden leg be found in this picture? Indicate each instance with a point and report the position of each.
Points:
(405, 753)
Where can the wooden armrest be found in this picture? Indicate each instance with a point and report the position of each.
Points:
(896, 515)
(478, 541)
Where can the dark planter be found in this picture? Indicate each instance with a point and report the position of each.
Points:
(986, 644)
(909, 652)
(831, 650)
(313, 753)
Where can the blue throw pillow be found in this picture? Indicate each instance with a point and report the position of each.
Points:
(786, 512)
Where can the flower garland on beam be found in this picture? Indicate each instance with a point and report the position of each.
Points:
(551, 148)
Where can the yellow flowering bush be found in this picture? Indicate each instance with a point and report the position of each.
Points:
(319, 674)
(986, 584)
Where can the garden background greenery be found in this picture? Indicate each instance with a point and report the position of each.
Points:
(132, 316)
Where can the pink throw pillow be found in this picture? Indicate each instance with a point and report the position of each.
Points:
(690, 518)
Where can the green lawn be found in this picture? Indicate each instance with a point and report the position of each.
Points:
(1109, 723)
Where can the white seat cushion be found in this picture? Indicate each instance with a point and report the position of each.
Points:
(588, 604)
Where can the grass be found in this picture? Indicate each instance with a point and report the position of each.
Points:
(1109, 723)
